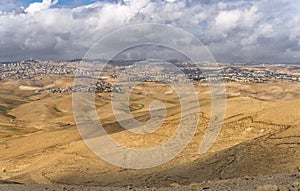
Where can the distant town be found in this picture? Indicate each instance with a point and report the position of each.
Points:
(131, 71)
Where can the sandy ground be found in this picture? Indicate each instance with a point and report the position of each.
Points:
(40, 145)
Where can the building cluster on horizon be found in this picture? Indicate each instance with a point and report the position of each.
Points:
(182, 72)
(101, 86)
(236, 74)
(31, 69)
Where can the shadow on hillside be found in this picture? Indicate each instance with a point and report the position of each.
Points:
(274, 153)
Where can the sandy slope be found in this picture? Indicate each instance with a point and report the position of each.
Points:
(40, 143)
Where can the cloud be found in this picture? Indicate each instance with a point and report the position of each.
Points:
(38, 6)
(234, 31)
(228, 20)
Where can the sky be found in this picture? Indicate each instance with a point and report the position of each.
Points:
(260, 31)
(8, 5)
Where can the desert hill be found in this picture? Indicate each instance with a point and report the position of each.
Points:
(41, 144)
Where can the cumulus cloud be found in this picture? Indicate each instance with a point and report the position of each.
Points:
(234, 31)
(38, 6)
